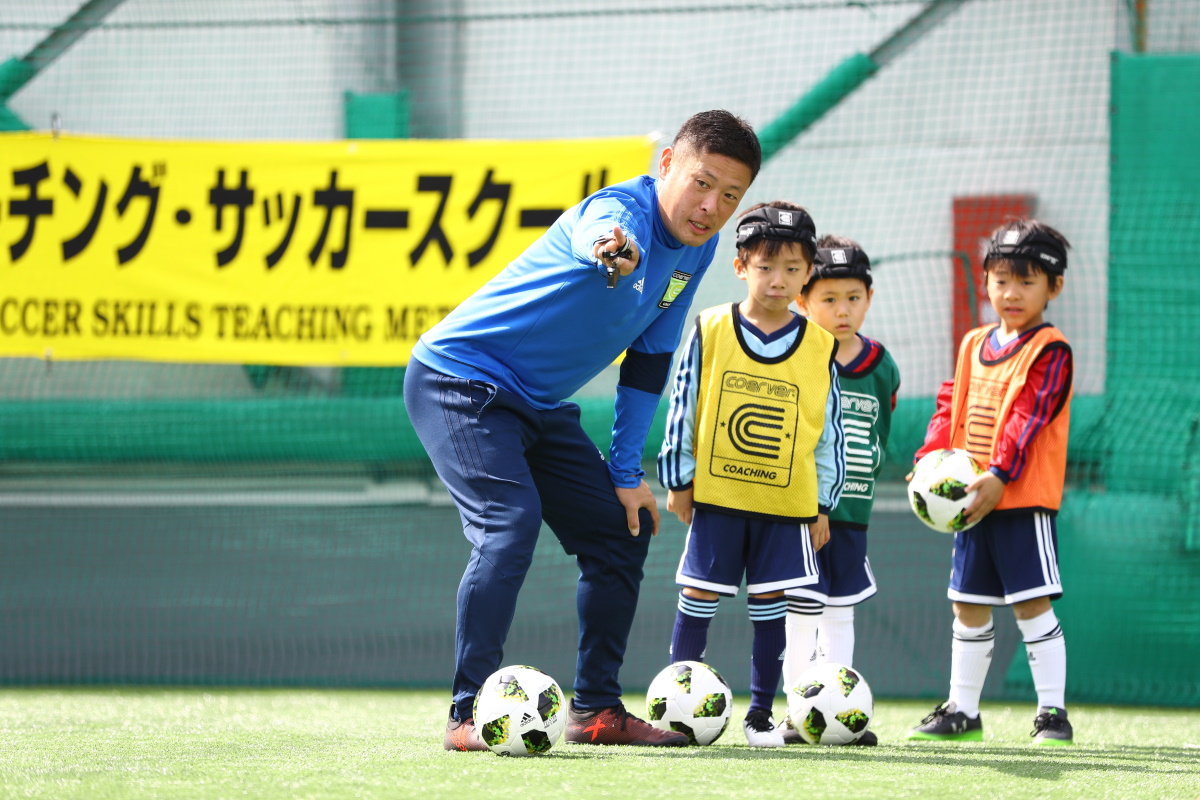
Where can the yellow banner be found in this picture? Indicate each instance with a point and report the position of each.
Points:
(338, 253)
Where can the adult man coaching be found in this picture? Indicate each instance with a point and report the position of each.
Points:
(486, 390)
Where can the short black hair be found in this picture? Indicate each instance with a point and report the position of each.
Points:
(766, 239)
(830, 240)
(852, 262)
(721, 133)
(1027, 246)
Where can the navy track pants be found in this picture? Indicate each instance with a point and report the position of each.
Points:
(508, 466)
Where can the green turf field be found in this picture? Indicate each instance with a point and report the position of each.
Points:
(204, 744)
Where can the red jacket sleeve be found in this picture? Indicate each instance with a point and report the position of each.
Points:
(1040, 400)
(937, 435)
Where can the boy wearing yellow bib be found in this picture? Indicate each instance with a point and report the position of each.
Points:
(1009, 405)
(754, 458)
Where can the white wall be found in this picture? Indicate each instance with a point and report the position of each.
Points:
(229, 74)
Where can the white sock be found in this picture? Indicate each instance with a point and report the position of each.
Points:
(835, 636)
(803, 617)
(971, 656)
(1047, 651)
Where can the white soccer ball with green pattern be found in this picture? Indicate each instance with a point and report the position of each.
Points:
(692, 698)
(830, 704)
(520, 711)
(938, 489)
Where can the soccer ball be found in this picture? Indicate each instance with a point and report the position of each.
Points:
(691, 698)
(830, 704)
(937, 491)
(520, 711)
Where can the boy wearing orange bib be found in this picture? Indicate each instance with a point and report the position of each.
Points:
(1009, 407)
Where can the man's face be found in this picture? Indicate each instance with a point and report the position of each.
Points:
(699, 192)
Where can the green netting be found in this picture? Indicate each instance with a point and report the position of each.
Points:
(1153, 392)
(260, 524)
(1130, 602)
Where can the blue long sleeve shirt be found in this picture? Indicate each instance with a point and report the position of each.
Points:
(677, 460)
(547, 323)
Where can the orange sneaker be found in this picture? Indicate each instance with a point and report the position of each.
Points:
(462, 735)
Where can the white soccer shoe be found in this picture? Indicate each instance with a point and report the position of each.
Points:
(761, 731)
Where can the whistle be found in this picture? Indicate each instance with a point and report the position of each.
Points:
(610, 269)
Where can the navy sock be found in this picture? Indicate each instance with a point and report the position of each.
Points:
(689, 639)
(766, 659)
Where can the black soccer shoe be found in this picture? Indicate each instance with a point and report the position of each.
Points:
(868, 739)
(948, 724)
(1050, 727)
(789, 732)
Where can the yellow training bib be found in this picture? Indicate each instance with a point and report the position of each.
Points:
(758, 420)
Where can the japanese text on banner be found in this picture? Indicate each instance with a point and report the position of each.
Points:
(338, 253)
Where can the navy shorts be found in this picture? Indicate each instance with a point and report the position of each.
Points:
(1006, 559)
(721, 548)
(845, 573)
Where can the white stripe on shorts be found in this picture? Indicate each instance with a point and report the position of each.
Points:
(1039, 527)
(1046, 530)
(810, 555)
(1053, 548)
